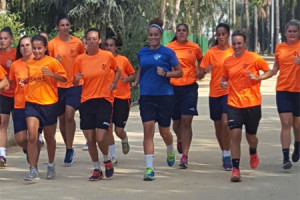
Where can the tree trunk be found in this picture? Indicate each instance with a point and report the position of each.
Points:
(292, 9)
(255, 28)
(242, 13)
(277, 21)
(262, 38)
(268, 26)
(282, 19)
(3, 5)
(174, 17)
(234, 13)
(247, 22)
(163, 12)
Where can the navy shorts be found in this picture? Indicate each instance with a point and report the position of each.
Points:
(68, 96)
(217, 107)
(157, 108)
(120, 112)
(6, 104)
(288, 102)
(19, 120)
(95, 113)
(46, 114)
(251, 116)
(186, 99)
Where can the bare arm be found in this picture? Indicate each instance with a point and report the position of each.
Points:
(265, 75)
(128, 79)
(137, 78)
(224, 83)
(175, 73)
(4, 84)
(47, 72)
(113, 85)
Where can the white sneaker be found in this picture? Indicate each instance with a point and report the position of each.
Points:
(114, 161)
(86, 147)
(51, 172)
(33, 175)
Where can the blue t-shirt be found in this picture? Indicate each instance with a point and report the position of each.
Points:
(150, 82)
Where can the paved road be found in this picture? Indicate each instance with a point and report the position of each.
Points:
(204, 179)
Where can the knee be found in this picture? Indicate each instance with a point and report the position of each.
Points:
(32, 138)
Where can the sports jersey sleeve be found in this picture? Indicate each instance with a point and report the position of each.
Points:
(128, 67)
(2, 72)
(12, 72)
(114, 64)
(225, 71)
(77, 66)
(206, 60)
(277, 53)
(51, 49)
(81, 49)
(261, 64)
(199, 53)
(173, 59)
(57, 68)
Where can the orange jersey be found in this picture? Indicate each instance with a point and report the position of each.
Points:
(19, 71)
(96, 74)
(216, 58)
(42, 89)
(2, 72)
(187, 55)
(68, 51)
(242, 91)
(6, 59)
(123, 89)
(289, 76)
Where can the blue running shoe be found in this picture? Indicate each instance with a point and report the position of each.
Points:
(69, 157)
(171, 159)
(2, 161)
(149, 175)
(227, 165)
(109, 169)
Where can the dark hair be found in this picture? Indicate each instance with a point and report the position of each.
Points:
(222, 25)
(92, 29)
(158, 23)
(293, 22)
(19, 55)
(7, 29)
(114, 39)
(60, 17)
(181, 24)
(242, 33)
(42, 39)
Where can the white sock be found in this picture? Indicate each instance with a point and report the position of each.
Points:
(112, 150)
(97, 165)
(149, 160)
(125, 140)
(106, 158)
(51, 164)
(226, 153)
(170, 149)
(40, 138)
(3, 151)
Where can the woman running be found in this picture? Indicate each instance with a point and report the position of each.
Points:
(122, 97)
(213, 62)
(99, 72)
(65, 48)
(41, 104)
(7, 56)
(157, 65)
(287, 60)
(185, 90)
(241, 76)
(18, 72)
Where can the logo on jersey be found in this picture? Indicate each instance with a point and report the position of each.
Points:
(103, 66)
(157, 56)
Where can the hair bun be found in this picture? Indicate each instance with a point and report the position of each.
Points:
(157, 21)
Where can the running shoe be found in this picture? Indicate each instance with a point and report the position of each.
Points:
(287, 164)
(254, 161)
(69, 157)
(2, 161)
(171, 159)
(96, 176)
(114, 161)
(86, 147)
(109, 169)
(236, 175)
(149, 175)
(125, 147)
(51, 172)
(179, 146)
(33, 175)
(295, 155)
(227, 165)
(183, 162)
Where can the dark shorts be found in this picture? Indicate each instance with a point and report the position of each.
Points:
(68, 96)
(95, 113)
(217, 107)
(6, 104)
(186, 99)
(19, 120)
(120, 112)
(157, 108)
(46, 114)
(288, 102)
(250, 117)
